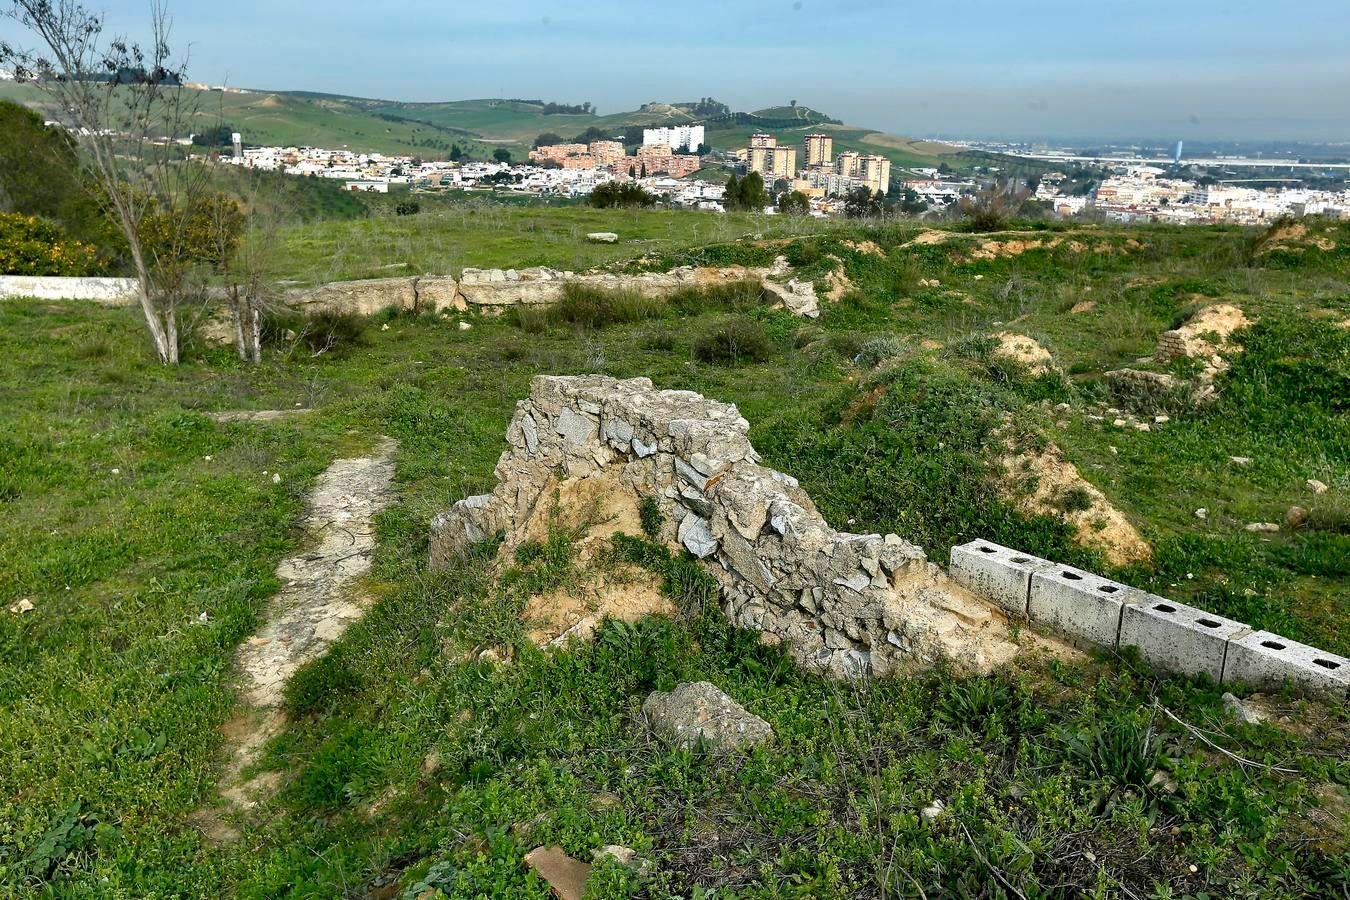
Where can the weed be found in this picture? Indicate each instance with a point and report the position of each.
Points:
(878, 349)
(733, 341)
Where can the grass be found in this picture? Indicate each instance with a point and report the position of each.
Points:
(485, 235)
(129, 514)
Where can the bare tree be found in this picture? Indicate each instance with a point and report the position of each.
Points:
(126, 105)
(245, 245)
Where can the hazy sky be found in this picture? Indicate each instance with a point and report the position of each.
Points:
(1194, 69)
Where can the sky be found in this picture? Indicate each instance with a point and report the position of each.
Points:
(1047, 69)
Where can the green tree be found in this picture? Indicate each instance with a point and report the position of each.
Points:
(746, 193)
(502, 155)
(793, 203)
(40, 176)
(621, 194)
(547, 139)
(863, 203)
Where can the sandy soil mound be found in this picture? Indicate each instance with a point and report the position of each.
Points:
(1044, 482)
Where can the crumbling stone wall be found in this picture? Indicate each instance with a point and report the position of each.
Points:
(848, 604)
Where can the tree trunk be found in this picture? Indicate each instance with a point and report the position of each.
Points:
(241, 322)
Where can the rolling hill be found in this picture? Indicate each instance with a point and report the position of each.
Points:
(478, 126)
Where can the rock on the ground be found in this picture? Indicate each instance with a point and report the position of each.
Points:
(1317, 487)
(1241, 712)
(563, 874)
(1025, 350)
(1262, 527)
(797, 297)
(699, 713)
(1296, 517)
(602, 237)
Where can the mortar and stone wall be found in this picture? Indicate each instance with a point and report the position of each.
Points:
(847, 604)
(1090, 610)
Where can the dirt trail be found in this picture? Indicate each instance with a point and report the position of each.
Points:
(318, 600)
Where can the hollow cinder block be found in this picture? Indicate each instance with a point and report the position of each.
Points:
(1000, 575)
(1265, 660)
(1079, 605)
(1177, 637)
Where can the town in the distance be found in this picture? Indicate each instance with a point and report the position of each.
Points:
(675, 164)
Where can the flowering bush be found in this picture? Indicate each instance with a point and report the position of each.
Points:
(33, 246)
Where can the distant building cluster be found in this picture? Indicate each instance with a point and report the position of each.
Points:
(823, 174)
(1146, 193)
(560, 170)
(650, 159)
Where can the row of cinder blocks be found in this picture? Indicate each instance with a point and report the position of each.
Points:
(1087, 608)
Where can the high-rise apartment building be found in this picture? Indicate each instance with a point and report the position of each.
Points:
(819, 149)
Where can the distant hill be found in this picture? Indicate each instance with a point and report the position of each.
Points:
(431, 129)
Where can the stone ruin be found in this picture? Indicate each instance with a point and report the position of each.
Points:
(493, 291)
(846, 604)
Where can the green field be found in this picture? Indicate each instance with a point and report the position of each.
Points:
(446, 238)
(414, 769)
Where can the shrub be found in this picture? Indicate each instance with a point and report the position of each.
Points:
(733, 341)
(407, 208)
(878, 348)
(594, 307)
(328, 330)
(621, 194)
(322, 332)
(33, 246)
(734, 296)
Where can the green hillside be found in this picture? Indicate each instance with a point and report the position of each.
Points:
(477, 126)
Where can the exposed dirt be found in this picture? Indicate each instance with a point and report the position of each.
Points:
(837, 283)
(866, 247)
(1039, 483)
(1294, 237)
(319, 599)
(1083, 306)
(624, 592)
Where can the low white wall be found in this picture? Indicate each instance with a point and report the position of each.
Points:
(105, 291)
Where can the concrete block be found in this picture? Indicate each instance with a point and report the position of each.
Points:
(1079, 605)
(1265, 660)
(1000, 575)
(1177, 637)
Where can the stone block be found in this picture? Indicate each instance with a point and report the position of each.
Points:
(1081, 606)
(1177, 637)
(1265, 660)
(1000, 575)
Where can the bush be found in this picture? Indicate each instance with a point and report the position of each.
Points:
(876, 349)
(33, 246)
(594, 307)
(322, 332)
(407, 208)
(733, 341)
(735, 296)
(621, 194)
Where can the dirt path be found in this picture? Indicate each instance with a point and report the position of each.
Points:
(318, 600)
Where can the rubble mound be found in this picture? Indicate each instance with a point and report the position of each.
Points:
(846, 604)
(1204, 336)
